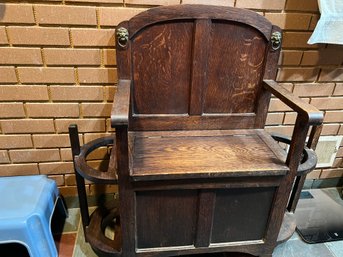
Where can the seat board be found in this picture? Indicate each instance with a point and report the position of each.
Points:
(167, 156)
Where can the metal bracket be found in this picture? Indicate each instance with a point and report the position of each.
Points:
(122, 36)
(276, 40)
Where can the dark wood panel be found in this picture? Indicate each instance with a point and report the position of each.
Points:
(208, 183)
(191, 12)
(158, 213)
(161, 57)
(205, 218)
(195, 122)
(199, 66)
(196, 156)
(235, 69)
(246, 213)
(123, 55)
(272, 59)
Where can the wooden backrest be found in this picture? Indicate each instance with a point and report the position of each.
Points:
(197, 67)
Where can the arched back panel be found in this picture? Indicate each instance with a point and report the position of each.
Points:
(197, 67)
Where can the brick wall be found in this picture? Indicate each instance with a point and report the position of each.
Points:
(57, 66)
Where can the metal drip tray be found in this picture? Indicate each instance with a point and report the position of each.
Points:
(319, 217)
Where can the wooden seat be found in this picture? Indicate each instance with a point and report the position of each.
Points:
(196, 171)
(204, 154)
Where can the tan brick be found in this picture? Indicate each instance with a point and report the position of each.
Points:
(45, 110)
(84, 125)
(109, 93)
(18, 55)
(93, 37)
(38, 36)
(290, 21)
(328, 103)
(340, 131)
(46, 75)
(338, 163)
(27, 126)
(290, 57)
(15, 141)
(4, 157)
(332, 173)
(52, 141)
(313, 89)
(288, 86)
(109, 57)
(152, 2)
(274, 118)
(76, 93)
(100, 165)
(92, 136)
(264, 5)
(70, 179)
(297, 40)
(23, 93)
(3, 36)
(7, 75)
(65, 15)
(338, 89)
(95, 1)
(16, 13)
(97, 75)
(34, 155)
(96, 109)
(302, 5)
(65, 56)
(330, 130)
(97, 189)
(216, 2)
(314, 21)
(277, 105)
(70, 190)
(331, 74)
(99, 154)
(333, 116)
(284, 130)
(314, 174)
(322, 57)
(12, 110)
(66, 154)
(290, 118)
(109, 125)
(59, 179)
(56, 168)
(113, 16)
(297, 74)
(19, 169)
(334, 46)
(340, 152)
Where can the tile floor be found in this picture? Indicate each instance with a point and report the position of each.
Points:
(71, 242)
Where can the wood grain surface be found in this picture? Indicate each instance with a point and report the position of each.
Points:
(192, 156)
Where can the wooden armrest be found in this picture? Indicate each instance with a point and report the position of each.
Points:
(121, 103)
(314, 116)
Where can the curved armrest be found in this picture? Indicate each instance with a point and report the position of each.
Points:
(313, 115)
(307, 115)
(121, 103)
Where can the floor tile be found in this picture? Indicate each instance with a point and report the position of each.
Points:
(82, 249)
(336, 248)
(297, 248)
(65, 244)
(73, 220)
